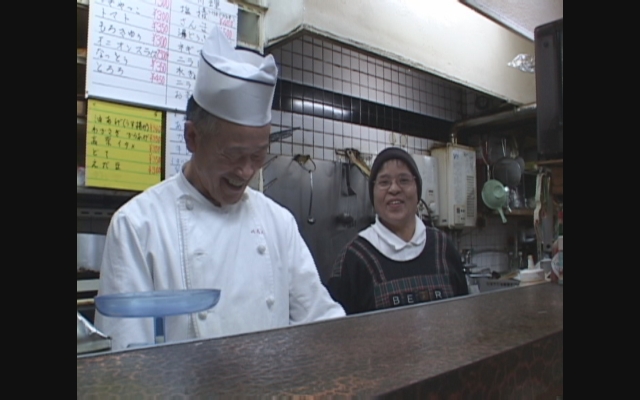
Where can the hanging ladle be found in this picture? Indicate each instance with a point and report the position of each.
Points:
(302, 160)
(346, 218)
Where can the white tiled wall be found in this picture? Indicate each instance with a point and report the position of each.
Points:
(318, 63)
(320, 137)
(324, 65)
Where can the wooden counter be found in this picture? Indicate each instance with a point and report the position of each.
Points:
(505, 344)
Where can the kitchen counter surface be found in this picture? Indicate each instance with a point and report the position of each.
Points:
(502, 344)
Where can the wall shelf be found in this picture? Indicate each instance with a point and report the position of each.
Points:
(520, 212)
(105, 192)
(516, 212)
(551, 163)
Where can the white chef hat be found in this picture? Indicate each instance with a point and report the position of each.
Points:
(235, 85)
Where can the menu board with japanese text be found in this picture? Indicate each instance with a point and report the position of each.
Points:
(176, 153)
(124, 146)
(146, 52)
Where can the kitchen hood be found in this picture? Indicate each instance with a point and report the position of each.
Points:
(521, 16)
(442, 37)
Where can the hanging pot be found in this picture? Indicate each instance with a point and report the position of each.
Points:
(508, 171)
(496, 196)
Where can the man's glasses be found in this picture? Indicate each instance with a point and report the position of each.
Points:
(404, 181)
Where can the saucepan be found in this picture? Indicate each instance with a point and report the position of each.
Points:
(496, 196)
(508, 171)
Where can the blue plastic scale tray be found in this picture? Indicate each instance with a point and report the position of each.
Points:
(159, 303)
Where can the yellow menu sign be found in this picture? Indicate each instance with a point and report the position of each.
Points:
(124, 146)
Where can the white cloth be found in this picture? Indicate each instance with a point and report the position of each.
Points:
(391, 245)
(170, 237)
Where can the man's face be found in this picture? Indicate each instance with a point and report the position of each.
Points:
(395, 195)
(223, 162)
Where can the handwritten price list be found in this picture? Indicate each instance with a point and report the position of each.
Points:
(124, 146)
(147, 51)
(176, 153)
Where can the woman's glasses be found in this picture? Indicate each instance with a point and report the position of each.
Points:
(404, 181)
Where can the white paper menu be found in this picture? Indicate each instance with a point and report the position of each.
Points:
(146, 52)
(176, 153)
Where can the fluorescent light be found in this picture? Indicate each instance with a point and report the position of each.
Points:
(310, 107)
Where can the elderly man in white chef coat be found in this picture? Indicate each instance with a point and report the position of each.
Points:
(205, 228)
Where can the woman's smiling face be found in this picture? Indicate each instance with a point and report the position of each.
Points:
(395, 195)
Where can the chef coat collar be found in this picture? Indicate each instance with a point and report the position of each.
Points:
(194, 193)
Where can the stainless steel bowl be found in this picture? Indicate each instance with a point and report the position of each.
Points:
(90, 247)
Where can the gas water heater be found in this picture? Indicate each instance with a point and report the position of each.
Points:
(458, 202)
(428, 169)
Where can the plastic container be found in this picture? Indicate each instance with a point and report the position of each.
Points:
(488, 285)
(531, 275)
(557, 261)
(545, 264)
(557, 265)
(530, 263)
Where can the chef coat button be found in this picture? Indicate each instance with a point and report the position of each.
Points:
(270, 301)
(202, 315)
(261, 249)
(189, 205)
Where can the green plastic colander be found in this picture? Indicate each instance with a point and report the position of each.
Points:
(495, 196)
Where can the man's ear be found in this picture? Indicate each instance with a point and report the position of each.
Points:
(190, 134)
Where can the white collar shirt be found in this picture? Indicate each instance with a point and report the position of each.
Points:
(391, 245)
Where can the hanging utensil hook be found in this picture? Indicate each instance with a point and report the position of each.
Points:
(302, 160)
